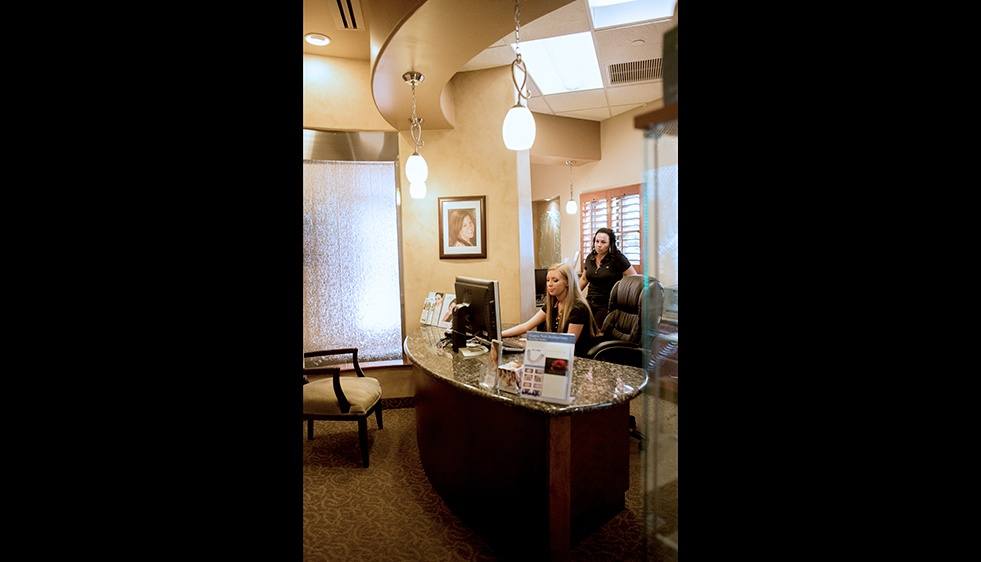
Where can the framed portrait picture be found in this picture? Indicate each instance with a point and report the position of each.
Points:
(462, 227)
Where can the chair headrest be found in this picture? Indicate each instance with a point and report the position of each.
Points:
(625, 295)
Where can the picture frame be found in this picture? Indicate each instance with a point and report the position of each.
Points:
(462, 227)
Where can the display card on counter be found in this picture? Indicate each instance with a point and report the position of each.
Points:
(431, 307)
(547, 369)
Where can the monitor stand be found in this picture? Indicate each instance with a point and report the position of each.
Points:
(459, 335)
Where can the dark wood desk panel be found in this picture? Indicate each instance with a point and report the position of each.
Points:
(532, 477)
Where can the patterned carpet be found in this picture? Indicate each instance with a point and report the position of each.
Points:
(391, 512)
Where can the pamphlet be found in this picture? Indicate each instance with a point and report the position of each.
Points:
(444, 317)
(547, 370)
(509, 376)
(430, 307)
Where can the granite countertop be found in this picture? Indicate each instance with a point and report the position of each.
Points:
(595, 384)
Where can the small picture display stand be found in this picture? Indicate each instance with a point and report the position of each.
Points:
(509, 376)
(547, 371)
(430, 307)
(437, 309)
(444, 318)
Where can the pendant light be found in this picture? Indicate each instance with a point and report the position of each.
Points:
(519, 125)
(571, 207)
(416, 168)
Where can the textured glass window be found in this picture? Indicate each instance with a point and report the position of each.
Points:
(351, 292)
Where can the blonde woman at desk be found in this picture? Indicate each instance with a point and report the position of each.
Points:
(565, 310)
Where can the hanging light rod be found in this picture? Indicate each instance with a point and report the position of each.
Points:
(571, 207)
(416, 169)
(518, 129)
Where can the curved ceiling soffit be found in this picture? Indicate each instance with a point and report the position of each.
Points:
(436, 38)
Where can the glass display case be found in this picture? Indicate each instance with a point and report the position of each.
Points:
(659, 200)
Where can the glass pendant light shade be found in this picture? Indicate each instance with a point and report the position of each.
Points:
(518, 128)
(417, 190)
(416, 169)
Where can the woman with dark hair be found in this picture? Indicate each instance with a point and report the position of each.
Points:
(565, 311)
(463, 227)
(602, 268)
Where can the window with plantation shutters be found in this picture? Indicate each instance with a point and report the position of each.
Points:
(617, 209)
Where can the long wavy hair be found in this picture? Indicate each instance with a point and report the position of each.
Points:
(572, 294)
(456, 224)
(614, 251)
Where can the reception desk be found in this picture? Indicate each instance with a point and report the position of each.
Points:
(530, 476)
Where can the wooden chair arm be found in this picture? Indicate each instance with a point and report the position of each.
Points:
(335, 372)
(353, 351)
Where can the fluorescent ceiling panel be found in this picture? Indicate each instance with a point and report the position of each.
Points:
(607, 13)
(563, 64)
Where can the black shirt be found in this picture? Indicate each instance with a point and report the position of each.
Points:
(578, 315)
(601, 279)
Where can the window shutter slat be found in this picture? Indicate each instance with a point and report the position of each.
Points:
(618, 209)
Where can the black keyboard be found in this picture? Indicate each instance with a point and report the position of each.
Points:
(513, 345)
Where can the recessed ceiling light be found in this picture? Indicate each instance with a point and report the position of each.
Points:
(638, 42)
(318, 39)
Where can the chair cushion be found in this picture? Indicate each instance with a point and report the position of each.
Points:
(361, 392)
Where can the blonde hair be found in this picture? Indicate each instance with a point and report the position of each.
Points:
(572, 294)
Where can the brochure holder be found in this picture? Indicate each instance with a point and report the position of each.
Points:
(548, 366)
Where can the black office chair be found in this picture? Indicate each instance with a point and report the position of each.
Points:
(623, 330)
(621, 339)
(341, 398)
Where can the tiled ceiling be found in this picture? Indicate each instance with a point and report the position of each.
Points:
(614, 45)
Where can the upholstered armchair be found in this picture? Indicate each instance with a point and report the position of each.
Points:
(340, 398)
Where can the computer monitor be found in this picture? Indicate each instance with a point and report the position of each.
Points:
(540, 285)
(478, 311)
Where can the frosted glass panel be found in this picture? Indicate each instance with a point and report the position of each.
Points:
(661, 204)
(667, 223)
(350, 259)
(661, 480)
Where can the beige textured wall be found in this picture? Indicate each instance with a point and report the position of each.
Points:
(469, 160)
(623, 164)
(566, 138)
(337, 95)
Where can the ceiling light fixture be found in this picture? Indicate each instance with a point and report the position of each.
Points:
(608, 13)
(565, 63)
(601, 3)
(318, 39)
(571, 207)
(416, 168)
(519, 125)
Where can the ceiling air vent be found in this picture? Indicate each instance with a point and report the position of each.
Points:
(348, 14)
(636, 71)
